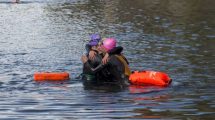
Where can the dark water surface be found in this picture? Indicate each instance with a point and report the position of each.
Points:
(173, 36)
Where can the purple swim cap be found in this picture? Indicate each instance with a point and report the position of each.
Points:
(109, 43)
(94, 39)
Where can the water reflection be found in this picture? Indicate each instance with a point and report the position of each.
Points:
(173, 36)
(144, 89)
(148, 99)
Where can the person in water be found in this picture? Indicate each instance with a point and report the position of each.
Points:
(94, 59)
(116, 70)
(91, 48)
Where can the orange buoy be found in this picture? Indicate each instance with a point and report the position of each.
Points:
(150, 78)
(40, 76)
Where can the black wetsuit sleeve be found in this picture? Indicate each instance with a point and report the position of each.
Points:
(96, 69)
(116, 50)
(88, 48)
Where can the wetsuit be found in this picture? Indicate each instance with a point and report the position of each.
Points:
(115, 71)
(98, 77)
(88, 76)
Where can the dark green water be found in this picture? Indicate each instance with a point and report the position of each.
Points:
(173, 36)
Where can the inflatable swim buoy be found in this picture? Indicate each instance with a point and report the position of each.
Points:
(40, 76)
(150, 78)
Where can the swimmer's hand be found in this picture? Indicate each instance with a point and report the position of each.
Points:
(105, 59)
(92, 55)
(84, 58)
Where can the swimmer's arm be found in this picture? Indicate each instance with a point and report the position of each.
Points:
(96, 69)
(116, 50)
(88, 48)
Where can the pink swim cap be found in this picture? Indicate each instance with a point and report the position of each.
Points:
(109, 43)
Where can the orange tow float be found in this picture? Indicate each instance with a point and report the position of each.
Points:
(150, 78)
(54, 76)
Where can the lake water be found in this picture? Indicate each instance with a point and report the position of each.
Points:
(173, 36)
